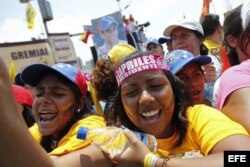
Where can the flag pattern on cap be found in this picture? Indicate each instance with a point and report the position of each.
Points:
(178, 59)
(73, 74)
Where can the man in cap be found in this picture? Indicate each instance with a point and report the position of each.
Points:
(108, 29)
(168, 41)
(154, 46)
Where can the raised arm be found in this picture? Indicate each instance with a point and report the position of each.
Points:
(17, 145)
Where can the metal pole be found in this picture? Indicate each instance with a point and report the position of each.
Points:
(46, 28)
(118, 1)
(46, 16)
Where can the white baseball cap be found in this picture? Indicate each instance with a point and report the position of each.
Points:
(152, 41)
(185, 23)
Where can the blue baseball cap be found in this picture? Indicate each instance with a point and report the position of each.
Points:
(106, 22)
(152, 41)
(33, 74)
(178, 59)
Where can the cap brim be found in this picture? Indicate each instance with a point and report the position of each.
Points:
(168, 31)
(18, 80)
(163, 40)
(151, 43)
(200, 60)
(34, 73)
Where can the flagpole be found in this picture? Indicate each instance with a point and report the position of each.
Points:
(118, 1)
(46, 13)
(46, 28)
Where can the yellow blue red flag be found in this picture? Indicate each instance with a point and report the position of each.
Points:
(85, 36)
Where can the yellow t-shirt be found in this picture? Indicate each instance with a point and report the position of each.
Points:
(207, 126)
(69, 142)
(213, 47)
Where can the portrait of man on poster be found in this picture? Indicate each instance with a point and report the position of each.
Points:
(111, 33)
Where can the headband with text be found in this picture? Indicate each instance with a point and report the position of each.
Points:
(140, 64)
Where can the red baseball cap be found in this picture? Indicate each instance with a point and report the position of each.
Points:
(22, 95)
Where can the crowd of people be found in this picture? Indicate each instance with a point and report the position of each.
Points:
(193, 98)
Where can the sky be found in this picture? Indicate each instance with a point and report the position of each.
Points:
(70, 16)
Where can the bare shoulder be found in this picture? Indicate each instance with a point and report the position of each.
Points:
(237, 107)
(239, 97)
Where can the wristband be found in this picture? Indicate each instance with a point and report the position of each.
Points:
(150, 160)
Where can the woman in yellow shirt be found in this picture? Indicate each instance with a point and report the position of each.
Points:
(59, 106)
(151, 100)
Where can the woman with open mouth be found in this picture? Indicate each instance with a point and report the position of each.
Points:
(187, 68)
(59, 106)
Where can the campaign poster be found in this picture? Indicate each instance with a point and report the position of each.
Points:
(108, 31)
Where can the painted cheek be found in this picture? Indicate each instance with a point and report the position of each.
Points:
(130, 107)
(169, 103)
(166, 97)
(35, 107)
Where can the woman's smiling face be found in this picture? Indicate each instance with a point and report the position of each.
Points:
(149, 102)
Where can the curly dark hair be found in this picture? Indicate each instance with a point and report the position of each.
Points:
(115, 114)
(104, 80)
